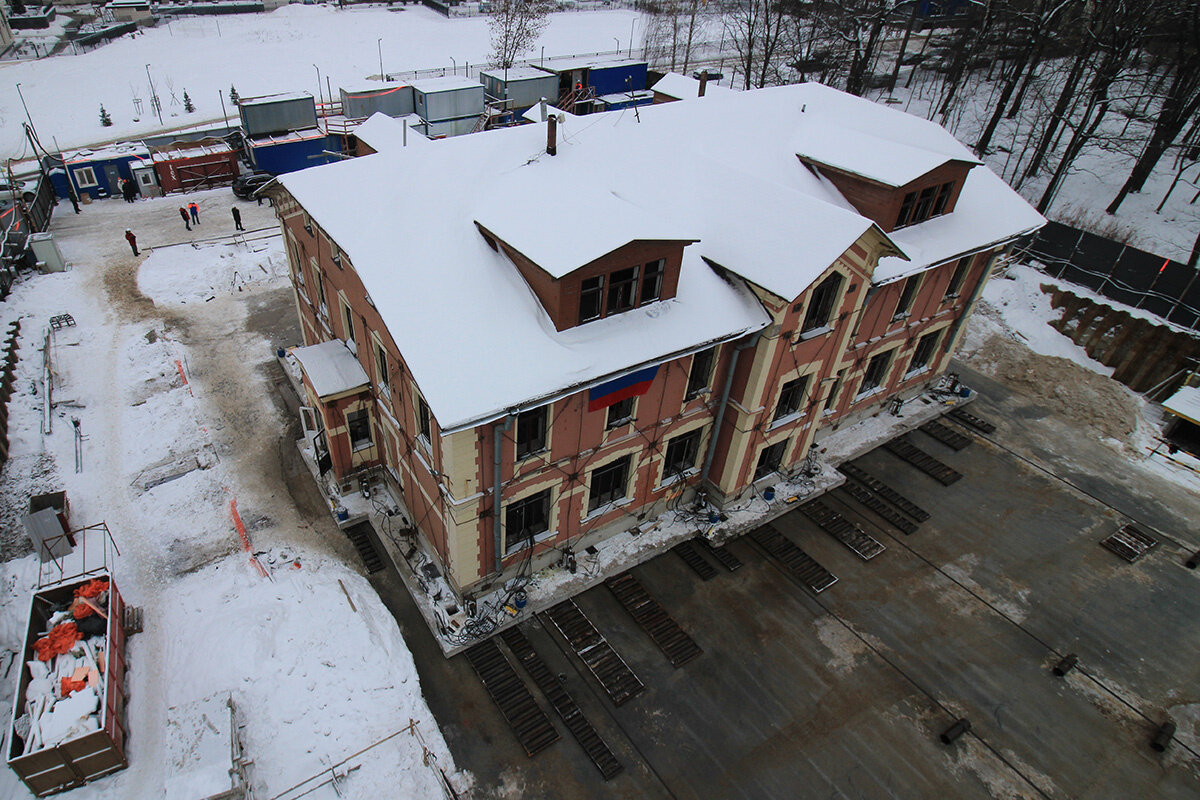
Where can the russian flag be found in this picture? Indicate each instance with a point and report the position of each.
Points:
(631, 385)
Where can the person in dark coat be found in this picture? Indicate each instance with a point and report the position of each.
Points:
(130, 191)
(195, 212)
(183, 213)
(74, 203)
(129, 237)
(237, 218)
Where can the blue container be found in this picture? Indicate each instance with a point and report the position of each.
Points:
(342, 514)
(520, 598)
(769, 493)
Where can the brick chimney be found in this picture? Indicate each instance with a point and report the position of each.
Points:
(703, 82)
(552, 135)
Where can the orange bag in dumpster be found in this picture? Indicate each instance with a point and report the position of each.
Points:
(61, 639)
(80, 609)
(70, 685)
(92, 588)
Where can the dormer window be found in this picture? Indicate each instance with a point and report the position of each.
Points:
(621, 290)
(621, 287)
(920, 205)
(652, 280)
(591, 299)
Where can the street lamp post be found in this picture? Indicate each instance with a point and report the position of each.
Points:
(27, 116)
(632, 22)
(320, 91)
(618, 41)
(379, 46)
(154, 97)
(455, 63)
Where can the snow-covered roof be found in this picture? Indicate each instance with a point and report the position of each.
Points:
(278, 97)
(722, 171)
(381, 132)
(874, 157)
(372, 88)
(1185, 403)
(518, 74)
(116, 150)
(450, 83)
(331, 368)
(183, 150)
(534, 113)
(682, 87)
(584, 62)
(624, 97)
(291, 136)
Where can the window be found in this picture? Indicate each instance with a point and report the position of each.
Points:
(423, 419)
(525, 519)
(770, 459)
(531, 432)
(359, 423)
(920, 205)
(619, 413)
(294, 260)
(652, 280)
(876, 369)
(620, 290)
(820, 304)
(681, 454)
(921, 355)
(608, 483)
(700, 373)
(943, 197)
(320, 285)
(790, 397)
(833, 391)
(348, 323)
(956, 279)
(904, 304)
(85, 176)
(381, 365)
(591, 297)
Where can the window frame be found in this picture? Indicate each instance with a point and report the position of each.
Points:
(537, 443)
(598, 500)
(360, 416)
(933, 337)
(612, 423)
(619, 286)
(528, 535)
(381, 367)
(348, 324)
(817, 300)
(958, 278)
(79, 173)
(675, 468)
(908, 294)
(884, 358)
(834, 390)
(597, 291)
(790, 400)
(424, 421)
(653, 274)
(770, 465)
(695, 387)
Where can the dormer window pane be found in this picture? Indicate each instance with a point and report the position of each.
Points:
(924, 204)
(943, 197)
(652, 281)
(591, 296)
(906, 209)
(621, 289)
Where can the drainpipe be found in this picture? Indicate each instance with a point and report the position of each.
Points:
(712, 442)
(497, 443)
(970, 306)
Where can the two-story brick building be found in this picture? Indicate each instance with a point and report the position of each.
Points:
(540, 350)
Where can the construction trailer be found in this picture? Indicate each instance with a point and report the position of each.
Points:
(187, 166)
(522, 87)
(296, 150)
(96, 173)
(277, 113)
(582, 80)
(390, 99)
(449, 106)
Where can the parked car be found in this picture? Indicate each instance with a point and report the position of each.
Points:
(244, 186)
(20, 190)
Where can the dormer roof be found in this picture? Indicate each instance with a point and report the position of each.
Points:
(883, 161)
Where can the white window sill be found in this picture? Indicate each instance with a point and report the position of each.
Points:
(532, 454)
(351, 346)
(903, 316)
(785, 420)
(538, 538)
(385, 390)
(912, 373)
(360, 446)
(677, 478)
(829, 412)
(858, 398)
(621, 423)
(814, 333)
(607, 507)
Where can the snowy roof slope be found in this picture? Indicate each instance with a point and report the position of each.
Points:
(517, 73)
(682, 87)
(686, 170)
(381, 132)
(1185, 403)
(449, 83)
(888, 162)
(331, 368)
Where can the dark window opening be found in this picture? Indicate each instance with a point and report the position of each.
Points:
(924, 204)
(700, 373)
(423, 419)
(381, 368)
(907, 295)
(873, 377)
(591, 299)
(619, 413)
(820, 304)
(652, 280)
(525, 519)
(348, 321)
(924, 351)
(956, 279)
(906, 207)
(621, 288)
(943, 197)
(770, 460)
(359, 425)
(531, 432)
(790, 397)
(921, 205)
(833, 391)
(681, 454)
(608, 483)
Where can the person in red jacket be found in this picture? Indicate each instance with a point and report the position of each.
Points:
(129, 237)
(183, 213)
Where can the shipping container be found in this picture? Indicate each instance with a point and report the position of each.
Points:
(294, 151)
(629, 76)
(523, 86)
(91, 755)
(449, 98)
(96, 173)
(188, 166)
(394, 100)
(449, 127)
(277, 113)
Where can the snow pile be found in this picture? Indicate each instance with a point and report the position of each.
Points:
(199, 271)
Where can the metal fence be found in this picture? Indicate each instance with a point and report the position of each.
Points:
(1163, 287)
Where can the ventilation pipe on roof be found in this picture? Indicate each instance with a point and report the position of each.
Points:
(552, 135)
(712, 441)
(543, 105)
(497, 447)
(703, 82)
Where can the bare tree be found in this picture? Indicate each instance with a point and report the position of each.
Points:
(756, 28)
(671, 30)
(515, 25)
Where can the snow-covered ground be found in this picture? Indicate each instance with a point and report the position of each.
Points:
(170, 386)
(257, 54)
